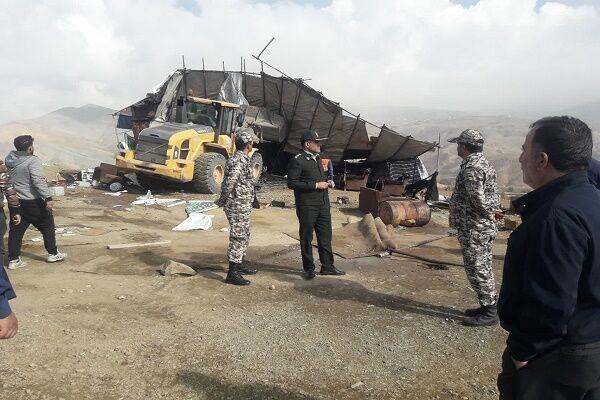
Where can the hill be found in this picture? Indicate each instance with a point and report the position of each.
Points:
(82, 137)
(71, 137)
(504, 136)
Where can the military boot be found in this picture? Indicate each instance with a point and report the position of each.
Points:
(488, 316)
(245, 269)
(234, 276)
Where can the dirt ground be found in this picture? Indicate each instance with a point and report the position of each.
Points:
(106, 325)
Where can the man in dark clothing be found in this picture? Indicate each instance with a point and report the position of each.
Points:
(8, 321)
(594, 172)
(27, 176)
(306, 177)
(550, 297)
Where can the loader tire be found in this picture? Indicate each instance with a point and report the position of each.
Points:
(256, 162)
(209, 172)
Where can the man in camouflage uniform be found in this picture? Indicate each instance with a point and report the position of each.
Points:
(473, 206)
(238, 198)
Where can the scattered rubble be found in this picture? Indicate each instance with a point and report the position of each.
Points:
(149, 200)
(200, 206)
(195, 221)
(57, 191)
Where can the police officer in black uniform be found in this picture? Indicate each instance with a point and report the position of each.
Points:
(306, 177)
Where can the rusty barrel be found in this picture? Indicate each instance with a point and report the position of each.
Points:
(405, 212)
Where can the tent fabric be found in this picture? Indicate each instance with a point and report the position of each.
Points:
(391, 146)
(286, 108)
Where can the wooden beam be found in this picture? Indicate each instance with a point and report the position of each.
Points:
(132, 245)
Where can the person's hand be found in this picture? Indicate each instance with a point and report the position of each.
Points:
(519, 364)
(9, 327)
(331, 184)
(322, 185)
(16, 219)
(50, 206)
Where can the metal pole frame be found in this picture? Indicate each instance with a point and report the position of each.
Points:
(312, 120)
(337, 112)
(262, 76)
(204, 78)
(281, 95)
(245, 85)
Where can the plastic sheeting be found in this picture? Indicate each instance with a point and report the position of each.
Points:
(231, 90)
(164, 108)
(196, 221)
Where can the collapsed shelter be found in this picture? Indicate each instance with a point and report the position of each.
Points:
(280, 108)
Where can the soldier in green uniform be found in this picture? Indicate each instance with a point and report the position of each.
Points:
(306, 177)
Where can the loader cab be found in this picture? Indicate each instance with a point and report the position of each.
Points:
(218, 115)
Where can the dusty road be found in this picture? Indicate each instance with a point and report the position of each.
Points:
(106, 325)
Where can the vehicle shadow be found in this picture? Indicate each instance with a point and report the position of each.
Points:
(216, 389)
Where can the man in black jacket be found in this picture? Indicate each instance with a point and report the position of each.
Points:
(305, 175)
(550, 297)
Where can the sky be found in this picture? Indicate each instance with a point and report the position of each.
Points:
(486, 56)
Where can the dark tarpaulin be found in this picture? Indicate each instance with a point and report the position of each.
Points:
(301, 108)
(391, 146)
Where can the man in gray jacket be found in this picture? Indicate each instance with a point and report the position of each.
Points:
(32, 190)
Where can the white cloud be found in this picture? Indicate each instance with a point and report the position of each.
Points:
(498, 54)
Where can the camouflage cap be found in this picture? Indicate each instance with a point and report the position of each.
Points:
(246, 136)
(469, 136)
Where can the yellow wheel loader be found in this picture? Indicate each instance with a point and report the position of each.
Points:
(192, 151)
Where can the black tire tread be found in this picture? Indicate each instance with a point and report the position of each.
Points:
(203, 177)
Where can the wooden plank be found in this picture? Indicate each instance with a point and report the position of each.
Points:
(131, 245)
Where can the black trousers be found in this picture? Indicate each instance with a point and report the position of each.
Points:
(33, 212)
(565, 373)
(315, 219)
(2, 232)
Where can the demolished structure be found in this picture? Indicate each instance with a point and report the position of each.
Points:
(279, 109)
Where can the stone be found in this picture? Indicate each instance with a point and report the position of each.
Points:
(343, 200)
(353, 219)
(512, 222)
(356, 385)
(171, 268)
